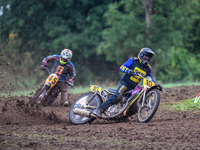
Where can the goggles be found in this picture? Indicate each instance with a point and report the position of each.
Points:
(65, 60)
(146, 58)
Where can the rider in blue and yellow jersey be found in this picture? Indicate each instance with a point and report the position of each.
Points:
(129, 81)
(62, 66)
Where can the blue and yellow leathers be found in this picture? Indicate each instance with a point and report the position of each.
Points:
(128, 82)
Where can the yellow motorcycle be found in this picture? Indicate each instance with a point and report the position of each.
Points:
(147, 96)
(49, 91)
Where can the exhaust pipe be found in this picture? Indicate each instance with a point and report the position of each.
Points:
(82, 112)
(85, 113)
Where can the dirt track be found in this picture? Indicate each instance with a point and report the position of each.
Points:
(23, 127)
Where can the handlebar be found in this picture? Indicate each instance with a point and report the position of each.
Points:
(68, 82)
(47, 70)
(139, 75)
(161, 88)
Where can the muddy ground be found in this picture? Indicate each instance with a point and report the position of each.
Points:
(27, 128)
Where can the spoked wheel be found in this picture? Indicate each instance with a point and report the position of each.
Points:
(115, 111)
(79, 103)
(148, 110)
(40, 96)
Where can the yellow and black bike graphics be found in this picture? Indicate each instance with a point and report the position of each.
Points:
(53, 79)
(95, 88)
(148, 82)
(135, 78)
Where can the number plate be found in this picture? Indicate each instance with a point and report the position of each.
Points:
(148, 83)
(53, 79)
(95, 88)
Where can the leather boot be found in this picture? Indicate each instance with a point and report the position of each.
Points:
(97, 112)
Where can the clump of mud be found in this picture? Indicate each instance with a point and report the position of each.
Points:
(19, 110)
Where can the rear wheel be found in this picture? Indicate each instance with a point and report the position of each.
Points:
(148, 110)
(81, 101)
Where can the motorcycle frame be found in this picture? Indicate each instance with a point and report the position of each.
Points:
(48, 82)
(143, 90)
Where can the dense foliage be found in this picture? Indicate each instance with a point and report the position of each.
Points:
(103, 34)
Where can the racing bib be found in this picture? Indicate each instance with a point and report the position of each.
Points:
(148, 82)
(95, 88)
(135, 78)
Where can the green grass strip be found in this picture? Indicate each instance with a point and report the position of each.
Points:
(186, 105)
(85, 89)
(170, 85)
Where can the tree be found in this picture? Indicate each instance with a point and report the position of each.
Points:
(148, 5)
(159, 25)
(46, 27)
(192, 36)
(97, 30)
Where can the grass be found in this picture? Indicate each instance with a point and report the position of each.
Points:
(85, 89)
(186, 105)
(79, 89)
(71, 90)
(169, 85)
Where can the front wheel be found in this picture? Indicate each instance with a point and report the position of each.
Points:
(148, 110)
(40, 96)
(80, 103)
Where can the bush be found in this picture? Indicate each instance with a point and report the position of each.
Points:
(178, 65)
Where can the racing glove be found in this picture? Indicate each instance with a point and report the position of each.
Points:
(43, 66)
(70, 82)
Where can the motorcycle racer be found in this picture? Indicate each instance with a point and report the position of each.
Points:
(129, 81)
(63, 67)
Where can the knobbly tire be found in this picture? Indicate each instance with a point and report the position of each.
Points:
(152, 100)
(77, 119)
(51, 97)
(37, 100)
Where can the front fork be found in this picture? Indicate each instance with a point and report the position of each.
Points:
(88, 102)
(143, 98)
(47, 88)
